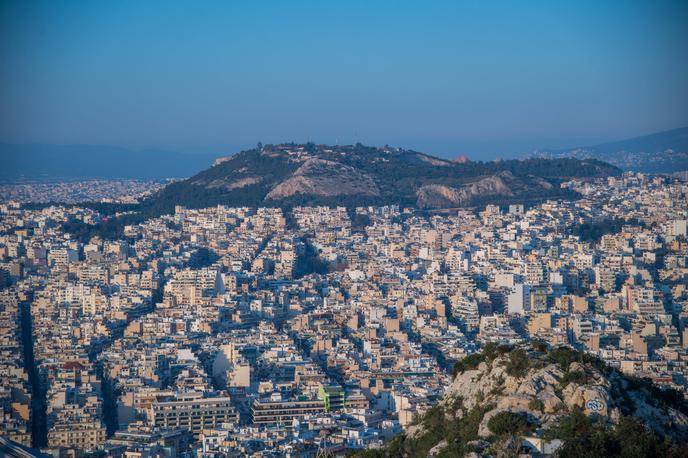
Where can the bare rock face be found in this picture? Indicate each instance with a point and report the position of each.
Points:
(433, 160)
(222, 159)
(437, 196)
(415, 430)
(514, 402)
(593, 400)
(325, 178)
(437, 448)
(551, 403)
(658, 418)
(234, 184)
(543, 183)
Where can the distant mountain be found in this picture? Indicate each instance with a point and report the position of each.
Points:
(286, 175)
(48, 162)
(548, 401)
(663, 152)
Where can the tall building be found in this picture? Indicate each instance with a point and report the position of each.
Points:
(519, 299)
(192, 412)
(275, 410)
(333, 396)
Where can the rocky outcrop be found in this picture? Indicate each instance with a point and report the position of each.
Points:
(325, 178)
(439, 196)
(549, 390)
(433, 160)
(234, 184)
(505, 397)
(222, 159)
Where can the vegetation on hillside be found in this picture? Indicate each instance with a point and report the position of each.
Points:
(398, 174)
(583, 436)
(440, 424)
(246, 179)
(448, 429)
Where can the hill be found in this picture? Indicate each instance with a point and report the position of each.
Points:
(532, 399)
(52, 162)
(289, 175)
(662, 152)
(286, 175)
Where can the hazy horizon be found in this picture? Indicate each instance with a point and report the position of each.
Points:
(484, 80)
(474, 150)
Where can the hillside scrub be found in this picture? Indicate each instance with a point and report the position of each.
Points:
(504, 394)
(509, 424)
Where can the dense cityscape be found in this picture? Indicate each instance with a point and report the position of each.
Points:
(75, 191)
(306, 229)
(259, 331)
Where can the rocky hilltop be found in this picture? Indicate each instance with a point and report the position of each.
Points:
(506, 401)
(355, 175)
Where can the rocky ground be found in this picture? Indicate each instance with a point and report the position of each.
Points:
(506, 401)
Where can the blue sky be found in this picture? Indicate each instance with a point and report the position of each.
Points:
(485, 79)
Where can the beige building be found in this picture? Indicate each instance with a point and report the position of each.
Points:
(84, 436)
(192, 412)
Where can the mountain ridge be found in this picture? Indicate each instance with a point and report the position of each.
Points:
(659, 152)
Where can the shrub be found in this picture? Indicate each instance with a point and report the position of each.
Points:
(468, 363)
(518, 364)
(539, 345)
(584, 437)
(434, 418)
(508, 423)
(578, 377)
(562, 357)
(490, 351)
(456, 431)
(659, 396)
(570, 425)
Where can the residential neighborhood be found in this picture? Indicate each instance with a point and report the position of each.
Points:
(284, 332)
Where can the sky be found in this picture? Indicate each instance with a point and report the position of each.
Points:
(485, 78)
